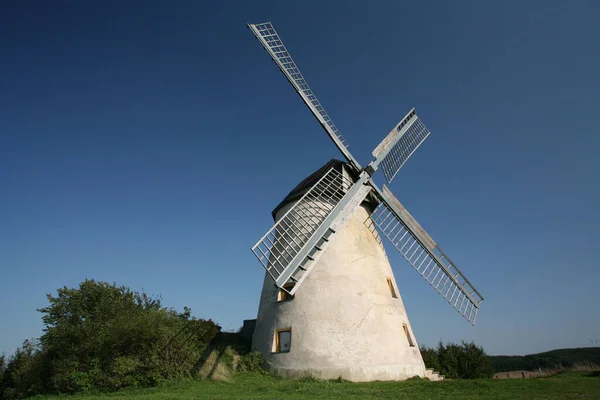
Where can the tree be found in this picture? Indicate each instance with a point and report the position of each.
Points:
(106, 337)
(21, 376)
(464, 361)
(2, 368)
(430, 358)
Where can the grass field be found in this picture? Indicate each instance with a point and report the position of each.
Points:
(571, 385)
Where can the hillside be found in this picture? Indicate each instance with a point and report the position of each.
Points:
(548, 359)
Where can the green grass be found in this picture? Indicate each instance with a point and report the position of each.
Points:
(571, 385)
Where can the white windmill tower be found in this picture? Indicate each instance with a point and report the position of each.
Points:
(334, 309)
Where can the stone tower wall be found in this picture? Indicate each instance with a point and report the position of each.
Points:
(344, 321)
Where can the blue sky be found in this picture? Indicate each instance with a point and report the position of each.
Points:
(146, 143)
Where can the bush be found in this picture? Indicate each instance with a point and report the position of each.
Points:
(253, 361)
(21, 377)
(100, 336)
(2, 368)
(454, 361)
(430, 358)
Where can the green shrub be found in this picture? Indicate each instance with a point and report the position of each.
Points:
(2, 368)
(430, 358)
(253, 361)
(21, 377)
(103, 337)
(458, 361)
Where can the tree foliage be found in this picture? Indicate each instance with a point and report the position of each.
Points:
(458, 361)
(105, 337)
(547, 360)
(21, 375)
(2, 368)
(252, 361)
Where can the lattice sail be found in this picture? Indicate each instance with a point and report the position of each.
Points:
(400, 144)
(271, 41)
(283, 250)
(421, 251)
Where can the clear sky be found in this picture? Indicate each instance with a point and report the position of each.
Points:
(146, 143)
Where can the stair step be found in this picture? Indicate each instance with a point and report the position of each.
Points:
(433, 375)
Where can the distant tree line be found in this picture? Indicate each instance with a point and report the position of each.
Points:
(562, 358)
(458, 361)
(104, 337)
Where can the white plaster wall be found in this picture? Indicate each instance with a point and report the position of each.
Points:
(344, 321)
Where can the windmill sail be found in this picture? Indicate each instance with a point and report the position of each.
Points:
(271, 41)
(399, 145)
(421, 251)
(291, 247)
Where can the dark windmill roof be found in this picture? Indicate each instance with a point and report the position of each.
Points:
(308, 182)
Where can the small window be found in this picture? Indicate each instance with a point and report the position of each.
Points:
(410, 341)
(282, 295)
(282, 340)
(391, 286)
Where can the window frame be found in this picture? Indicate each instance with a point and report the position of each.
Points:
(411, 343)
(276, 341)
(391, 287)
(282, 295)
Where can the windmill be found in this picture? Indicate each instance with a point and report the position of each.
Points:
(334, 309)
(593, 342)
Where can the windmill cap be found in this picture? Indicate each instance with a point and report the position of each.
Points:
(308, 182)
